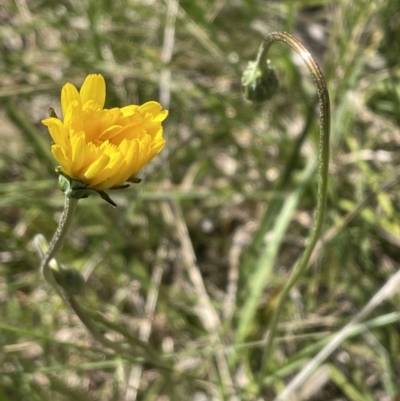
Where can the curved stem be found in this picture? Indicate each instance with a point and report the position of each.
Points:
(47, 271)
(47, 253)
(323, 163)
(57, 240)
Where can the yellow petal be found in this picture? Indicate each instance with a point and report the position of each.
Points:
(94, 88)
(57, 131)
(96, 169)
(157, 147)
(140, 158)
(60, 156)
(69, 94)
(129, 110)
(73, 116)
(161, 116)
(131, 131)
(117, 179)
(150, 107)
(79, 152)
(92, 105)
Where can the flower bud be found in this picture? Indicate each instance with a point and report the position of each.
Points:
(258, 83)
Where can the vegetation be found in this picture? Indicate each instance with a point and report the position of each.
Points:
(170, 272)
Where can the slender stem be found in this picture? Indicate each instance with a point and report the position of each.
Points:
(57, 241)
(47, 272)
(47, 253)
(323, 163)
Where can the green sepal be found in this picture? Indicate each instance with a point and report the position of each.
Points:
(106, 197)
(52, 113)
(134, 180)
(78, 190)
(124, 186)
(259, 83)
(72, 188)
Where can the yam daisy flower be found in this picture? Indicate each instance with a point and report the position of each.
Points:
(100, 149)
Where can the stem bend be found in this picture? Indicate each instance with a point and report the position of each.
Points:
(323, 164)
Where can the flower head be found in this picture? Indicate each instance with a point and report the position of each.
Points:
(103, 148)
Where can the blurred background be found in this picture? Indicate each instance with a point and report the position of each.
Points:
(176, 262)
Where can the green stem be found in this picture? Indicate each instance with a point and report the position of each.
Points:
(57, 241)
(64, 292)
(47, 253)
(323, 163)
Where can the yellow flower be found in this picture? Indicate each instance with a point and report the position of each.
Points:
(103, 148)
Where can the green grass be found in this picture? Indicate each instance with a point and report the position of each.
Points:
(179, 254)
